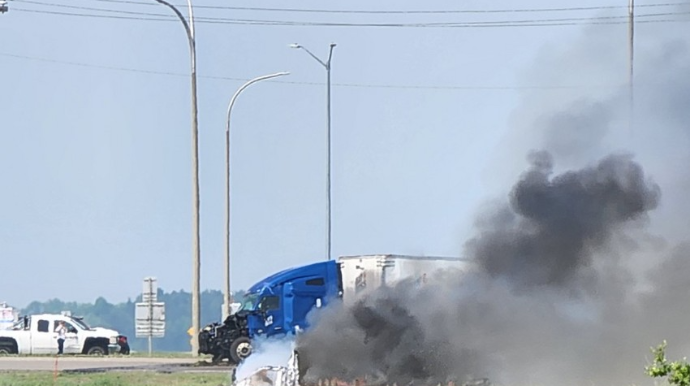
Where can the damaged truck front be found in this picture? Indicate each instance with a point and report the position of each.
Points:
(228, 340)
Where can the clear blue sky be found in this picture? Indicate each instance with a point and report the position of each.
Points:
(96, 164)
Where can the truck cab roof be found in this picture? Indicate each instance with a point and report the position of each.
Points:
(320, 268)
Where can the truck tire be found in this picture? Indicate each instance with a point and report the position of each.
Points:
(8, 347)
(240, 349)
(96, 350)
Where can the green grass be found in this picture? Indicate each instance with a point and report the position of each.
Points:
(40, 378)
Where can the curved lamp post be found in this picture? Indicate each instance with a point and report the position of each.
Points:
(196, 254)
(226, 305)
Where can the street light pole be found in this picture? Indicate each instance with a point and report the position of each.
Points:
(226, 307)
(327, 66)
(3, 6)
(196, 251)
(631, 62)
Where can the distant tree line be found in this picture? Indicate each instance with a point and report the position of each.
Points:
(120, 316)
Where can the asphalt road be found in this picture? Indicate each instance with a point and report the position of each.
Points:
(99, 364)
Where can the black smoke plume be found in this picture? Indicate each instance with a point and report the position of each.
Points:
(546, 237)
(553, 226)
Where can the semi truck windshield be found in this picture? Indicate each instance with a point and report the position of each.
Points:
(249, 303)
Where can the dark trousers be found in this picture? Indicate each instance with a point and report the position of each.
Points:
(61, 344)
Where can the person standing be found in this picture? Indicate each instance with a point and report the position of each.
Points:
(62, 332)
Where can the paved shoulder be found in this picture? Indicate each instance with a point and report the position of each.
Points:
(87, 363)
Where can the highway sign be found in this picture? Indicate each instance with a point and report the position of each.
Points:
(150, 319)
(150, 290)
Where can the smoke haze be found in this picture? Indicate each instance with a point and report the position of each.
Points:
(580, 267)
(267, 352)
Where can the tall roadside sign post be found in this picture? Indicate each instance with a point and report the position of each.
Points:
(149, 313)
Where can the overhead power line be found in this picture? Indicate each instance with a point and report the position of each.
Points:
(352, 85)
(600, 20)
(393, 12)
(138, 13)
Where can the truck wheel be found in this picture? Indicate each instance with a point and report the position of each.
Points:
(96, 350)
(6, 350)
(240, 349)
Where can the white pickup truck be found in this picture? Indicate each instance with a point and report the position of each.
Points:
(35, 334)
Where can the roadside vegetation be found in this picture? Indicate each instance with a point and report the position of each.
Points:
(676, 372)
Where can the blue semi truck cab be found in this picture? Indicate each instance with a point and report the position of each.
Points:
(281, 303)
(277, 305)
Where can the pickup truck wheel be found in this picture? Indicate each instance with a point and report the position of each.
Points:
(240, 349)
(6, 350)
(96, 350)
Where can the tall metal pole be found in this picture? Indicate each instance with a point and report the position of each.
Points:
(328, 140)
(228, 297)
(327, 66)
(196, 249)
(631, 51)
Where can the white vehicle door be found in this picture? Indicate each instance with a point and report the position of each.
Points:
(23, 331)
(71, 338)
(43, 339)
